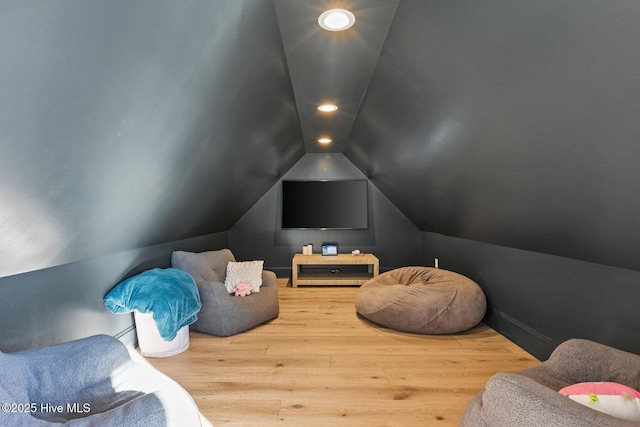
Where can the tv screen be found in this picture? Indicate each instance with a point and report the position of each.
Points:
(325, 204)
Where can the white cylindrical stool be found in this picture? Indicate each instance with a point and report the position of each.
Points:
(152, 344)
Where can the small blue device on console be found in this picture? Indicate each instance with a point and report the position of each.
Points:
(329, 249)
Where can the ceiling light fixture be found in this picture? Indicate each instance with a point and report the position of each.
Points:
(327, 108)
(336, 19)
(325, 140)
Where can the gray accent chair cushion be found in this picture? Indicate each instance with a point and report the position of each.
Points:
(94, 381)
(223, 314)
(422, 300)
(530, 397)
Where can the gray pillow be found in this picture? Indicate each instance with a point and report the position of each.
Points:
(208, 266)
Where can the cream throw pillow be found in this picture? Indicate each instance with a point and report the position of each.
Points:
(246, 271)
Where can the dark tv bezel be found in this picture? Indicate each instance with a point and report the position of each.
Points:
(366, 182)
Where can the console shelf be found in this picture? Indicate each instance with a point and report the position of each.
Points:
(342, 269)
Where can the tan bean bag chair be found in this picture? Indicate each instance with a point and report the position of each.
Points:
(422, 300)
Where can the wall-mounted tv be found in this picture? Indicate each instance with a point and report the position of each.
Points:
(325, 204)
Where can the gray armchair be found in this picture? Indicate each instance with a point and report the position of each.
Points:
(223, 314)
(530, 397)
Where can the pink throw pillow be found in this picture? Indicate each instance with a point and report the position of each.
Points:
(610, 398)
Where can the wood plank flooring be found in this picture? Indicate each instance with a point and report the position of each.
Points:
(319, 364)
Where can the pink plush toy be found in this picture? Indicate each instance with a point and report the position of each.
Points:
(242, 289)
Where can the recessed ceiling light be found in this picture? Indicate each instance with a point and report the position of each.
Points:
(324, 140)
(336, 19)
(327, 108)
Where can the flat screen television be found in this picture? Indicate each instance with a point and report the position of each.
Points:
(325, 204)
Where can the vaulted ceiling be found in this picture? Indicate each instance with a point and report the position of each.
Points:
(125, 124)
(331, 66)
(514, 123)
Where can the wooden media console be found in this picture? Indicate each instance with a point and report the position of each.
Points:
(341, 269)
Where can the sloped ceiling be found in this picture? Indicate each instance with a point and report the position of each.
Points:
(124, 124)
(327, 66)
(511, 122)
(508, 122)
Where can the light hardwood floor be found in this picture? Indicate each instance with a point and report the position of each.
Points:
(319, 364)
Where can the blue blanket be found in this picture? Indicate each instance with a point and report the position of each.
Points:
(170, 294)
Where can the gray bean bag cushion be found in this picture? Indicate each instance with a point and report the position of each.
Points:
(90, 382)
(222, 313)
(422, 300)
(530, 397)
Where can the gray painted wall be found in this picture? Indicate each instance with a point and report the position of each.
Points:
(127, 128)
(64, 302)
(514, 123)
(127, 124)
(124, 126)
(259, 235)
(539, 300)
